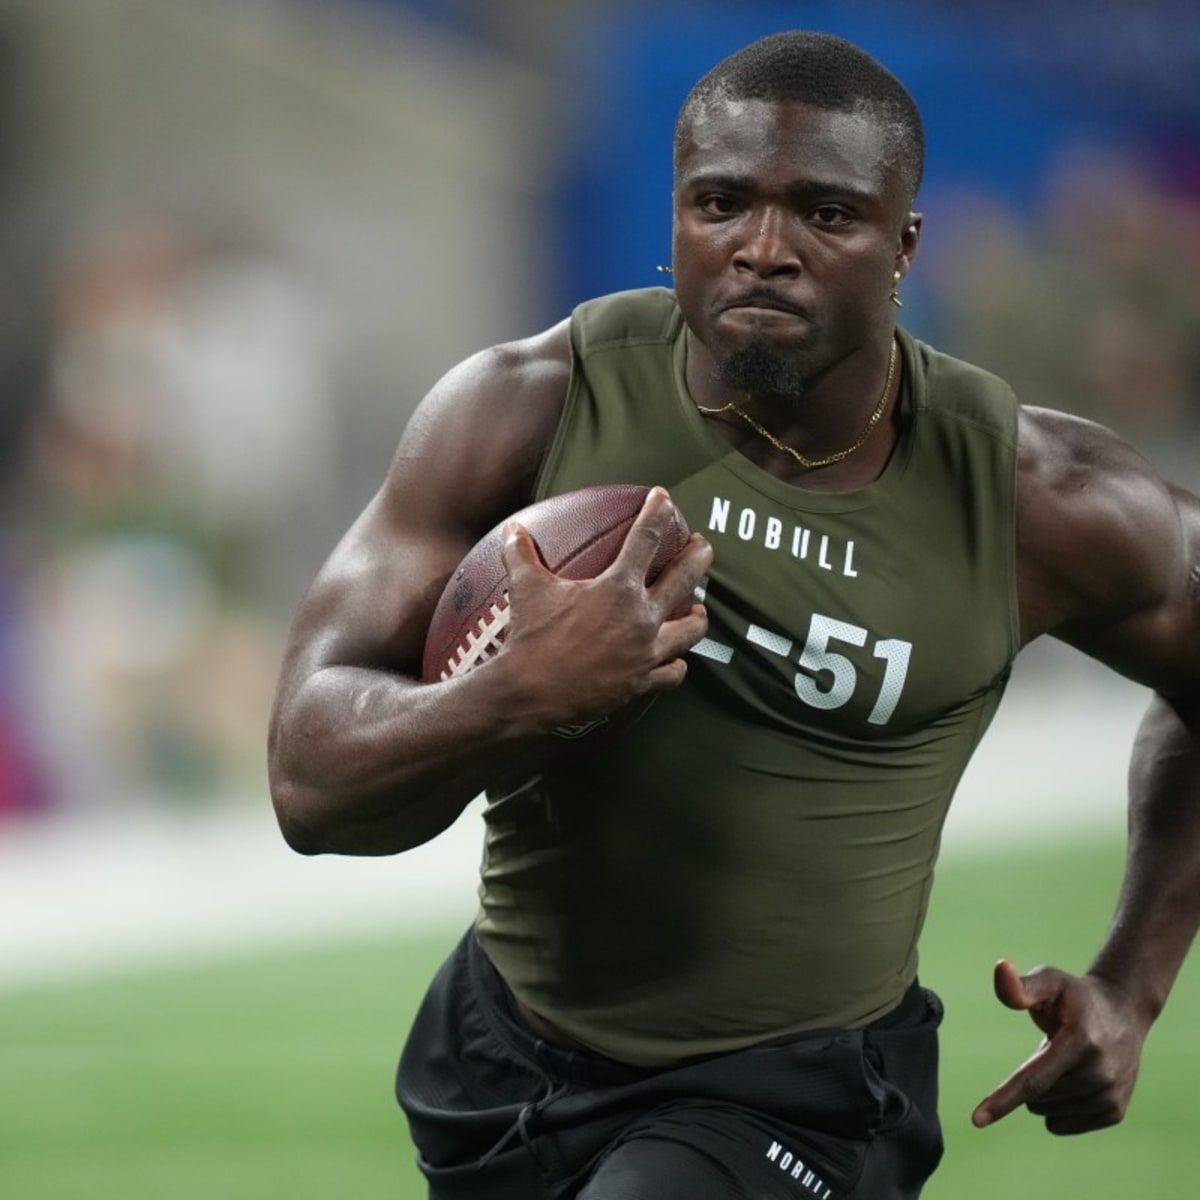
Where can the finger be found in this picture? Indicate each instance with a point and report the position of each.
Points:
(1093, 1106)
(676, 585)
(645, 534)
(1090, 1101)
(519, 552)
(1029, 1083)
(1066, 1126)
(668, 675)
(677, 636)
(1015, 1091)
(1009, 986)
(1076, 1091)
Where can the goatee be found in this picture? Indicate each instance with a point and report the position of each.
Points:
(758, 369)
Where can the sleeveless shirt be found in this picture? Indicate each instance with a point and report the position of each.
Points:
(753, 857)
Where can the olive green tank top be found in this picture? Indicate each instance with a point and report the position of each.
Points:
(753, 857)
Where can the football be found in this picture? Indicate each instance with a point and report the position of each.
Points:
(578, 535)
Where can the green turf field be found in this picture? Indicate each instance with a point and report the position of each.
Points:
(271, 1077)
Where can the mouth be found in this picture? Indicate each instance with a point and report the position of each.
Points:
(763, 302)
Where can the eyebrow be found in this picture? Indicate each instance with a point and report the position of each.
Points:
(805, 189)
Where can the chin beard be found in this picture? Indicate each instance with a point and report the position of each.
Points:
(758, 369)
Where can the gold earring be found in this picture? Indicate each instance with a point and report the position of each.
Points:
(894, 297)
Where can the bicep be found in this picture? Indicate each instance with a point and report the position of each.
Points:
(467, 459)
(1110, 554)
(1158, 642)
(370, 604)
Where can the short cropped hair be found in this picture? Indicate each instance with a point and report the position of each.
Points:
(827, 72)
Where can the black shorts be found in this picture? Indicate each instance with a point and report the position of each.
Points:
(497, 1112)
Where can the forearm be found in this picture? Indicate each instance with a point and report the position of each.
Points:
(1159, 907)
(368, 762)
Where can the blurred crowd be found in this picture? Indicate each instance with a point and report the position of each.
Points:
(218, 226)
(180, 443)
(173, 423)
(1088, 303)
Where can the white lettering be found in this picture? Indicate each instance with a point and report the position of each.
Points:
(828, 679)
(717, 651)
(772, 533)
(719, 515)
(768, 639)
(787, 1160)
(896, 654)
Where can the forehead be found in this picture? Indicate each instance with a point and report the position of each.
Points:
(783, 141)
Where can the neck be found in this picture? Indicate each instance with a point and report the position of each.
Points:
(841, 427)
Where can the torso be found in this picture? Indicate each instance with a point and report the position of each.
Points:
(859, 642)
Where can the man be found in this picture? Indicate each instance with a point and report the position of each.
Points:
(694, 969)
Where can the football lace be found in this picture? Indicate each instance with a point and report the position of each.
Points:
(482, 642)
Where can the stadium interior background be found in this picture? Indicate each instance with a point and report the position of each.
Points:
(240, 239)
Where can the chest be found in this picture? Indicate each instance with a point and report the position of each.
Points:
(864, 622)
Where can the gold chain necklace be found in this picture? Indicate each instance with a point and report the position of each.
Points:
(812, 463)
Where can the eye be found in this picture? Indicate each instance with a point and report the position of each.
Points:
(831, 216)
(717, 204)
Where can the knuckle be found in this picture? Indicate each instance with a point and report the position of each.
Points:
(672, 674)
(645, 537)
(1117, 1105)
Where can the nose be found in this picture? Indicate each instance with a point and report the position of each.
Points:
(767, 249)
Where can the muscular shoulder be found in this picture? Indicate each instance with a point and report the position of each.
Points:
(466, 460)
(1106, 550)
(476, 440)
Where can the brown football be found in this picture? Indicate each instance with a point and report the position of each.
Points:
(578, 535)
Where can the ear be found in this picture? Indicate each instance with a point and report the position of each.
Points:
(908, 242)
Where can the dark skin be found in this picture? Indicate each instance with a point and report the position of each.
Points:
(789, 226)
(800, 260)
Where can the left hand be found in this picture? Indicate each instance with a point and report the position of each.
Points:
(1081, 1077)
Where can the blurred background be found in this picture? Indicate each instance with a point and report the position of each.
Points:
(239, 239)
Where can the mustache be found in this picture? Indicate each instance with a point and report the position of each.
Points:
(761, 297)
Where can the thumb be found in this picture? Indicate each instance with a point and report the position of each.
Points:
(519, 552)
(1037, 993)
(1010, 987)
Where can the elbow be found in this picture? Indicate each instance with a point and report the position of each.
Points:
(301, 838)
(324, 817)
(314, 823)
(300, 831)
(297, 812)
